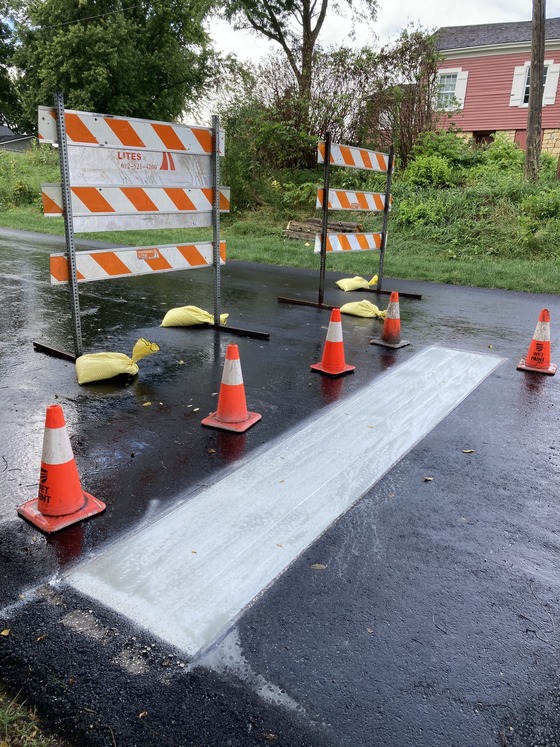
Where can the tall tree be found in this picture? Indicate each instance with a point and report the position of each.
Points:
(342, 80)
(402, 97)
(536, 73)
(9, 102)
(295, 25)
(142, 58)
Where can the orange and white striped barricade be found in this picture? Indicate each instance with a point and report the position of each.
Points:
(349, 242)
(336, 154)
(347, 156)
(105, 264)
(88, 128)
(126, 208)
(104, 150)
(343, 199)
(352, 157)
(123, 173)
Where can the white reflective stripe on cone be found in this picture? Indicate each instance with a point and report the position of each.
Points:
(393, 311)
(542, 332)
(334, 332)
(56, 446)
(232, 375)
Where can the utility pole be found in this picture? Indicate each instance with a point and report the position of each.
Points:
(536, 78)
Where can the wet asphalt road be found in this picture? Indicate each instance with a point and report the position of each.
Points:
(436, 619)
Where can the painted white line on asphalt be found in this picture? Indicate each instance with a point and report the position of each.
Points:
(191, 573)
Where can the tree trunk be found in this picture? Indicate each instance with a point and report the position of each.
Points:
(534, 114)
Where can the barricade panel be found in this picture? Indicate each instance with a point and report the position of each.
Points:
(341, 199)
(349, 242)
(102, 264)
(352, 157)
(131, 167)
(88, 128)
(110, 200)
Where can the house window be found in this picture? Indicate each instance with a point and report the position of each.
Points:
(522, 79)
(451, 88)
(446, 90)
(525, 99)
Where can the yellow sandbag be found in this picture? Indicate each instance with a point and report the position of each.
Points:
(363, 308)
(188, 316)
(101, 366)
(355, 283)
(143, 348)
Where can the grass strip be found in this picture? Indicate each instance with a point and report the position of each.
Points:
(257, 237)
(20, 726)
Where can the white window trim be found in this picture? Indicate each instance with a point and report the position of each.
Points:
(460, 85)
(551, 84)
(519, 82)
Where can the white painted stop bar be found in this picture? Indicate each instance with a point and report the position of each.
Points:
(188, 576)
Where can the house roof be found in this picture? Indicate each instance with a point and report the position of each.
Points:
(492, 34)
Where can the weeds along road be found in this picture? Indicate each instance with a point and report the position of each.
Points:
(426, 614)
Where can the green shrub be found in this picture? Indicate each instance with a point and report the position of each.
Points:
(549, 165)
(358, 180)
(296, 196)
(8, 166)
(21, 175)
(430, 211)
(473, 221)
(502, 154)
(539, 222)
(457, 150)
(542, 206)
(494, 184)
(41, 154)
(540, 239)
(23, 194)
(4, 198)
(282, 144)
(429, 171)
(258, 145)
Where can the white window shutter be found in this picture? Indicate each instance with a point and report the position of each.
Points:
(518, 85)
(461, 87)
(551, 85)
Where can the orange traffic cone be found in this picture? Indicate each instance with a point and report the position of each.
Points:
(61, 500)
(232, 413)
(391, 333)
(333, 363)
(538, 356)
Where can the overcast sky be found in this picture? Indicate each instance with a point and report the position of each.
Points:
(393, 16)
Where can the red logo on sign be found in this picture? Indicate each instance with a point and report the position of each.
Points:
(167, 163)
(147, 254)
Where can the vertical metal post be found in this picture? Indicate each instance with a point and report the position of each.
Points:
(386, 209)
(216, 215)
(68, 219)
(324, 227)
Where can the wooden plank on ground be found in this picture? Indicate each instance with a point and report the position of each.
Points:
(304, 230)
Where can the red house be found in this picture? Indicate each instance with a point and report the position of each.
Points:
(484, 80)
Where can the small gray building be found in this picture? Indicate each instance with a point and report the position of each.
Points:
(11, 141)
